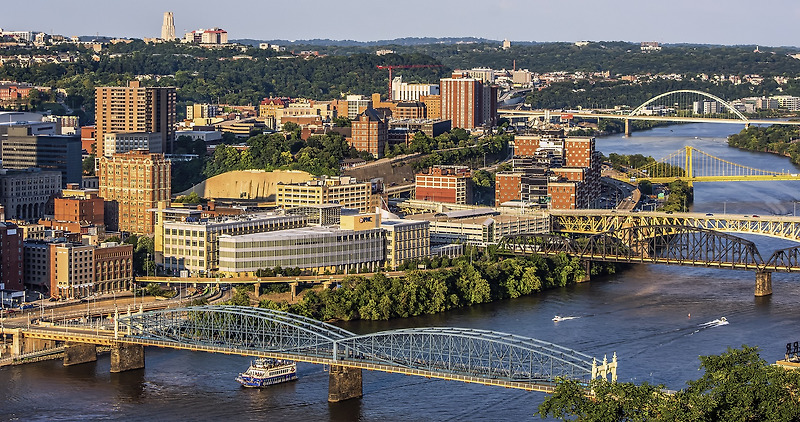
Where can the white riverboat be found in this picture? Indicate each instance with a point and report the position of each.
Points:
(263, 372)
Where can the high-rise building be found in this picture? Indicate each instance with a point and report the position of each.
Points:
(404, 91)
(11, 254)
(467, 102)
(131, 184)
(135, 109)
(370, 133)
(22, 148)
(168, 27)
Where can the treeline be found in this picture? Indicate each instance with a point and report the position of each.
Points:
(737, 385)
(468, 154)
(427, 292)
(777, 139)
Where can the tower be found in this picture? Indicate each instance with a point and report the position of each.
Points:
(168, 27)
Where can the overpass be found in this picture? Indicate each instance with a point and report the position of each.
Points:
(458, 354)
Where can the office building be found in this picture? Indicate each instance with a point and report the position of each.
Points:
(37, 263)
(356, 104)
(23, 146)
(320, 249)
(409, 110)
(214, 36)
(80, 209)
(71, 270)
(131, 184)
(452, 184)
(370, 133)
(135, 109)
(113, 267)
(467, 102)
(403, 91)
(319, 214)
(343, 190)
(118, 143)
(183, 242)
(481, 225)
(406, 240)
(25, 193)
(11, 257)
(168, 27)
(433, 106)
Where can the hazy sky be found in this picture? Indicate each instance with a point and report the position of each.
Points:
(766, 22)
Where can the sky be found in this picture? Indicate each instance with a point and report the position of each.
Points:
(729, 22)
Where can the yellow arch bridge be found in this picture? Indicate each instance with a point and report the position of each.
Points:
(694, 165)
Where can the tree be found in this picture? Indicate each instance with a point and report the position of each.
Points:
(88, 165)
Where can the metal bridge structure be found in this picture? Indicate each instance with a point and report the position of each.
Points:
(460, 354)
(694, 165)
(680, 106)
(655, 240)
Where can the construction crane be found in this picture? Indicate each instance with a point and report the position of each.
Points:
(402, 66)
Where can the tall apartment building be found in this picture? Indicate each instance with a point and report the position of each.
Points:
(22, 147)
(131, 184)
(404, 91)
(11, 256)
(343, 190)
(135, 109)
(25, 193)
(168, 27)
(370, 133)
(452, 184)
(467, 102)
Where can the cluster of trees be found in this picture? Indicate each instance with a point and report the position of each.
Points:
(471, 154)
(776, 139)
(737, 385)
(679, 198)
(482, 280)
(143, 253)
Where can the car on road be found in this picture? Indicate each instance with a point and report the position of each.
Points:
(709, 214)
(755, 215)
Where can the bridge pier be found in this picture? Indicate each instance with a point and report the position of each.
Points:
(627, 127)
(258, 288)
(587, 268)
(763, 283)
(77, 353)
(293, 287)
(126, 357)
(344, 383)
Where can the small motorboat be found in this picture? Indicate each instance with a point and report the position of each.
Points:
(557, 318)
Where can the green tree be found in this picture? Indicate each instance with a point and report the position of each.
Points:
(88, 165)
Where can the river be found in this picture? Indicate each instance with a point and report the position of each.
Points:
(654, 317)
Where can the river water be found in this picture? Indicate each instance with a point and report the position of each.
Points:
(656, 318)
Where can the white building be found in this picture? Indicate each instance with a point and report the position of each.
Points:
(119, 143)
(403, 91)
(310, 248)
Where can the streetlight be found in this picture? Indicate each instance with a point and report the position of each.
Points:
(724, 207)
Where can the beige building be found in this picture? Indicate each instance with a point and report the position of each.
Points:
(131, 184)
(406, 240)
(343, 190)
(71, 270)
(135, 109)
(481, 225)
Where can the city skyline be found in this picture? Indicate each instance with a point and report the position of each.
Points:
(681, 21)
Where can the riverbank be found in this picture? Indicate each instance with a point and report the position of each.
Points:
(485, 277)
(779, 140)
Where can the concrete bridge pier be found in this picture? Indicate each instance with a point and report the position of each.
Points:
(587, 268)
(77, 353)
(258, 287)
(763, 283)
(293, 287)
(344, 383)
(627, 127)
(126, 357)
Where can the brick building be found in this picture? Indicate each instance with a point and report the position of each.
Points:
(113, 267)
(452, 184)
(131, 184)
(467, 102)
(76, 209)
(11, 256)
(370, 133)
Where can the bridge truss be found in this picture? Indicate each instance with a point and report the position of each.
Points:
(692, 164)
(471, 355)
(688, 103)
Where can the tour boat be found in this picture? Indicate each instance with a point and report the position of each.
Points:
(263, 372)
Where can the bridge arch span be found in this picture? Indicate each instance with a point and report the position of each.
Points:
(726, 104)
(473, 352)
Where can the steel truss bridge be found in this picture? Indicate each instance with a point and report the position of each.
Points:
(694, 165)
(684, 106)
(460, 354)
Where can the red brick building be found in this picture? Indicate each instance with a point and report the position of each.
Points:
(566, 195)
(526, 146)
(507, 187)
(409, 110)
(451, 184)
(79, 210)
(11, 254)
(467, 102)
(370, 133)
(89, 139)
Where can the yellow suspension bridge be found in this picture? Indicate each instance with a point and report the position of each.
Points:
(694, 165)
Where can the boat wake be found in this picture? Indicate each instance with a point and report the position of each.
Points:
(714, 323)
(558, 318)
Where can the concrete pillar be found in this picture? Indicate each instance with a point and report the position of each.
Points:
(587, 267)
(258, 288)
(16, 342)
(763, 283)
(293, 286)
(344, 383)
(77, 353)
(126, 357)
(627, 127)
